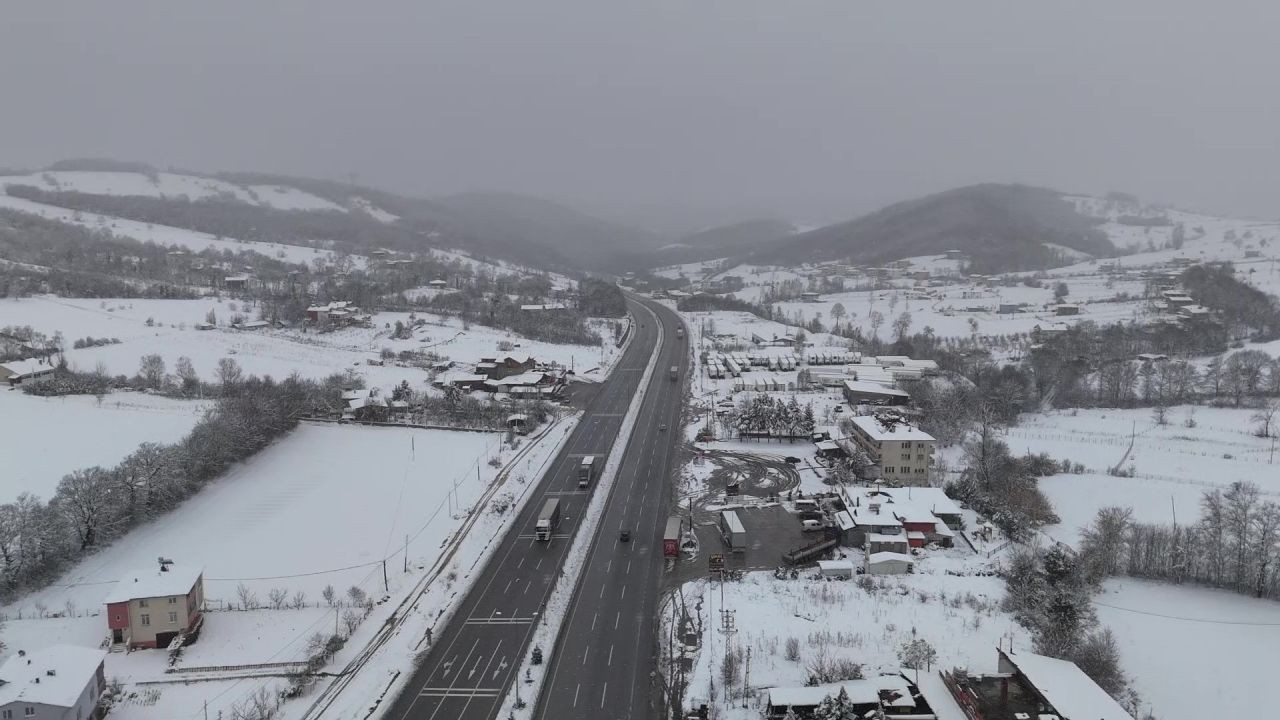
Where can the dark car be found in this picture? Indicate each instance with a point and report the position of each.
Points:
(662, 427)
(624, 536)
(792, 459)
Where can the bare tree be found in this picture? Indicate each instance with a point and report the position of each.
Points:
(229, 373)
(1266, 419)
(277, 597)
(248, 599)
(151, 370)
(351, 619)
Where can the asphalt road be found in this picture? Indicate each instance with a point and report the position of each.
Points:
(603, 662)
(473, 660)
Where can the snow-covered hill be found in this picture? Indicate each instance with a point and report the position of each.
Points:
(191, 187)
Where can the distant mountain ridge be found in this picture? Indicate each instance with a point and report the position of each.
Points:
(998, 227)
(521, 229)
(716, 242)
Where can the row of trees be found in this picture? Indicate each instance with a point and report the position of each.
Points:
(95, 505)
(763, 414)
(1089, 366)
(1235, 544)
(153, 375)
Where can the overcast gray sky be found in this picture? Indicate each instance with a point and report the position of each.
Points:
(815, 110)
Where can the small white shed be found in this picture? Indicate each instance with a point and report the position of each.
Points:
(889, 563)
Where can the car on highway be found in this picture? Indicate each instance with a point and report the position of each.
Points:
(624, 535)
(662, 427)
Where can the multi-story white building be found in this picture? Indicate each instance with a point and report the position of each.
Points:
(903, 453)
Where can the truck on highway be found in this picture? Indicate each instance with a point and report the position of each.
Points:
(674, 372)
(548, 519)
(735, 536)
(586, 471)
(680, 333)
(671, 537)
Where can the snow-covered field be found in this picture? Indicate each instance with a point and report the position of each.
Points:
(322, 498)
(1173, 464)
(1212, 655)
(278, 353)
(42, 439)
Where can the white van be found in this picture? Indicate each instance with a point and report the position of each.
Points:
(810, 525)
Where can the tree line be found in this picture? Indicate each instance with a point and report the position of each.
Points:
(1234, 544)
(93, 506)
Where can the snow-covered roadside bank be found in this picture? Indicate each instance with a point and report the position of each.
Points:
(389, 652)
(567, 583)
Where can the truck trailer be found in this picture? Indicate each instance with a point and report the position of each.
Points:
(674, 373)
(671, 537)
(548, 519)
(586, 471)
(735, 536)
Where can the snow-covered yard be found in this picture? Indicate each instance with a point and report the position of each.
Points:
(864, 622)
(42, 439)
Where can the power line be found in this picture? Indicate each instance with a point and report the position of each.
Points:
(1189, 619)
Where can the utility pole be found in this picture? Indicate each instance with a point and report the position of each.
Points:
(386, 587)
(406, 552)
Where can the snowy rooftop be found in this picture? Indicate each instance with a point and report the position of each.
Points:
(861, 692)
(866, 516)
(27, 367)
(889, 557)
(1067, 688)
(532, 377)
(28, 679)
(899, 431)
(872, 387)
(152, 582)
(886, 538)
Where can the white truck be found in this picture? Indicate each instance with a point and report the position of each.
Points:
(586, 471)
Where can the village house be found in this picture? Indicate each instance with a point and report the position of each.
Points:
(898, 519)
(60, 682)
(543, 307)
(150, 608)
(1027, 685)
(494, 368)
(903, 453)
(339, 312)
(438, 284)
(529, 385)
(17, 372)
(236, 282)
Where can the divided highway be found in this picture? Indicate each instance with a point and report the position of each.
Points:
(606, 649)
